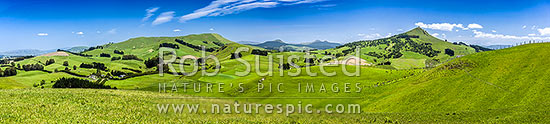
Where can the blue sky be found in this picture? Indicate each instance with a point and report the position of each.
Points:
(38, 24)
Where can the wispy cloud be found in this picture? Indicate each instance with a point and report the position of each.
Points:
(112, 31)
(479, 34)
(225, 7)
(176, 30)
(42, 34)
(164, 17)
(448, 26)
(149, 13)
(80, 33)
(370, 36)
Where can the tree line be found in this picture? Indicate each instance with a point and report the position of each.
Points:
(11, 71)
(169, 45)
(95, 65)
(80, 83)
(194, 46)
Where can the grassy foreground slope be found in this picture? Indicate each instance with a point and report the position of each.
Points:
(513, 79)
(126, 106)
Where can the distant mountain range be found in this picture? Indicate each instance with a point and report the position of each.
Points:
(35, 52)
(248, 42)
(277, 44)
(318, 44)
(26, 52)
(495, 47)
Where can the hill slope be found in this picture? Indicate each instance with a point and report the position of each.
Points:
(413, 49)
(513, 79)
(147, 47)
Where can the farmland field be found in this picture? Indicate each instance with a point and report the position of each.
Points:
(274, 61)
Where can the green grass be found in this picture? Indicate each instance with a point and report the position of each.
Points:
(514, 78)
(124, 106)
(408, 63)
(502, 86)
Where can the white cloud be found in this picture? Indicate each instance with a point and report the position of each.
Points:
(435, 34)
(544, 31)
(164, 17)
(225, 7)
(474, 26)
(370, 36)
(525, 26)
(149, 13)
(400, 29)
(531, 34)
(80, 33)
(493, 31)
(176, 30)
(533, 27)
(439, 26)
(42, 34)
(479, 34)
(112, 31)
(212, 29)
(448, 26)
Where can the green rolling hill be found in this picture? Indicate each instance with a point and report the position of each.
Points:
(507, 85)
(413, 49)
(512, 82)
(147, 47)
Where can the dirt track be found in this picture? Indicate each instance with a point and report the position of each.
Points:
(56, 54)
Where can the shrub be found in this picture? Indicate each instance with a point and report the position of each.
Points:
(65, 63)
(130, 57)
(31, 67)
(95, 65)
(169, 45)
(236, 55)
(119, 52)
(115, 58)
(10, 72)
(49, 62)
(79, 83)
(449, 52)
(104, 55)
(385, 63)
(152, 62)
(259, 52)
(195, 46)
